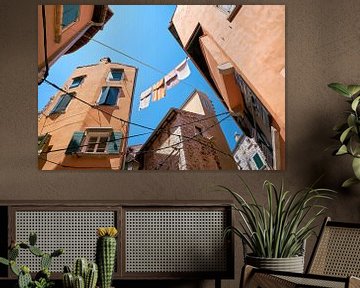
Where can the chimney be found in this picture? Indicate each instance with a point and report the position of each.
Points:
(105, 60)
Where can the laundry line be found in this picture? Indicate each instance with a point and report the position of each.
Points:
(158, 90)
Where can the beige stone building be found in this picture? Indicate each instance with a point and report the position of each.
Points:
(188, 138)
(81, 128)
(68, 28)
(240, 50)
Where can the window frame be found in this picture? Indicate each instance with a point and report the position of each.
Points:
(98, 134)
(43, 142)
(260, 159)
(62, 27)
(54, 110)
(109, 79)
(230, 13)
(82, 77)
(103, 90)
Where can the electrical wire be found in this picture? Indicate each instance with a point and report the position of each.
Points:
(135, 59)
(193, 138)
(154, 150)
(100, 142)
(120, 119)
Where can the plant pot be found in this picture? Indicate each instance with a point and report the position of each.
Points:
(291, 264)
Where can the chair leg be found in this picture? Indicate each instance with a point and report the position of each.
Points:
(354, 282)
(246, 273)
(250, 278)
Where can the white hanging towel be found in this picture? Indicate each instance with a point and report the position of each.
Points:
(183, 70)
(145, 98)
(171, 79)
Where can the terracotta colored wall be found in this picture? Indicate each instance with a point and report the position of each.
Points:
(78, 116)
(70, 33)
(254, 41)
(322, 46)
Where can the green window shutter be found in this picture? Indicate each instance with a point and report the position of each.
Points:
(75, 142)
(114, 143)
(70, 14)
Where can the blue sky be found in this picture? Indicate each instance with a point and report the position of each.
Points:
(140, 31)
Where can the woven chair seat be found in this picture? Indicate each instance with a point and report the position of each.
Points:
(335, 262)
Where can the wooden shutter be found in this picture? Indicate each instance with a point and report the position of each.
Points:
(114, 143)
(75, 142)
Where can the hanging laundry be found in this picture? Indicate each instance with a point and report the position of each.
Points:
(159, 90)
(183, 70)
(171, 79)
(145, 97)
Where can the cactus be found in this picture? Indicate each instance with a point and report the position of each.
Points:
(79, 282)
(24, 280)
(90, 272)
(105, 254)
(36, 251)
(4, 261)
(91, 276)
(13, 253)
(80, 267)
(68, 280)
(32, 239)
(42, 278)
(45, 261)
(14, 268)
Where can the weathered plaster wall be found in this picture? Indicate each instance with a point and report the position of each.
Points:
(55, 49)
(254, 42)
(79, 116)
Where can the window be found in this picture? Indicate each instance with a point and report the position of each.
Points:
(95, 141)
(258, 161)
(43, 142)
(115, 75)
(77, 81)
(228, 9)
(109, 96)
(198, 130)
(70, 14)
(62, 103)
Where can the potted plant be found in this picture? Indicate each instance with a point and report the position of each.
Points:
(349, 131)
(276, 233)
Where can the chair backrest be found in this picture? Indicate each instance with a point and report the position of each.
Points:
(337, 251)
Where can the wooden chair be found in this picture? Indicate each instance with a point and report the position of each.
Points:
(334, 263)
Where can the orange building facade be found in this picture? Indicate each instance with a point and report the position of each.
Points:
(189, 138)
(68, 28)
(87, 127)
(240, 50)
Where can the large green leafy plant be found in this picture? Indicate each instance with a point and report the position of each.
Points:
(349, 131)
(279, 229)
